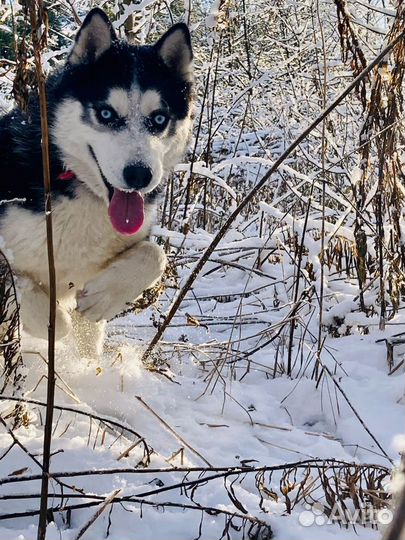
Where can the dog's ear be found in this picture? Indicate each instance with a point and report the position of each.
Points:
(95, 36)
(174, 48)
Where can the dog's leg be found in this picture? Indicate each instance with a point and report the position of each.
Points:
(89, 336)
(34, 312)
(123, 280)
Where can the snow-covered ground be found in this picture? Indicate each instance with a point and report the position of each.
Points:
(248, 418)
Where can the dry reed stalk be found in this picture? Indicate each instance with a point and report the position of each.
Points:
(39, 28)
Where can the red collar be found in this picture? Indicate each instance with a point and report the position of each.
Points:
(67, 175)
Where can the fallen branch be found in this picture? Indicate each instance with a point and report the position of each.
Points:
(225, 470)
(212, 511)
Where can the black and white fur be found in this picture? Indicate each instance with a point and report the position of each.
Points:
(98, 270)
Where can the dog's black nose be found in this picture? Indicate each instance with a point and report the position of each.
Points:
(137, 176)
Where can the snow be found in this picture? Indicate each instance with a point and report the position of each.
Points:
(255, 419)
(218, 392)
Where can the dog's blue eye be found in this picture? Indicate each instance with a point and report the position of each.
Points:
(106, 115)
(159, 119)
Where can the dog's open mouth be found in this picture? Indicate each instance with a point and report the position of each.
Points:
(126, 209)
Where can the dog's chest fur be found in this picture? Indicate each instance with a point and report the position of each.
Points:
(83, 238)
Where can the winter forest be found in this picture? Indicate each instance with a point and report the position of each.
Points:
(256, 391)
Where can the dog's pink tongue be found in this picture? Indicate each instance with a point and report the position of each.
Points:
(126, 211)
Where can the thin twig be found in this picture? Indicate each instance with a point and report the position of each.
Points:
(171, 430)
(108, 500)
(19, 443)
(338, 386)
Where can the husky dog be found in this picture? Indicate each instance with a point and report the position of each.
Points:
(119, 120)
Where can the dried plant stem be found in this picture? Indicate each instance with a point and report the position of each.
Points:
(171, 430)
(19, 444)
(298, 263)
(142, 502)
(359, 418)
(108, 500)
(250, 196)
(103, 419)
(36, 11)
(74, 12)
(203, 470)
(323, 83)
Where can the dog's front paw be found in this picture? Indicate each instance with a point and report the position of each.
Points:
(123, 281)
(100, 299)
(34, 312)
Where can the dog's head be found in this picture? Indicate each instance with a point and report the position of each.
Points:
(123, 114)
